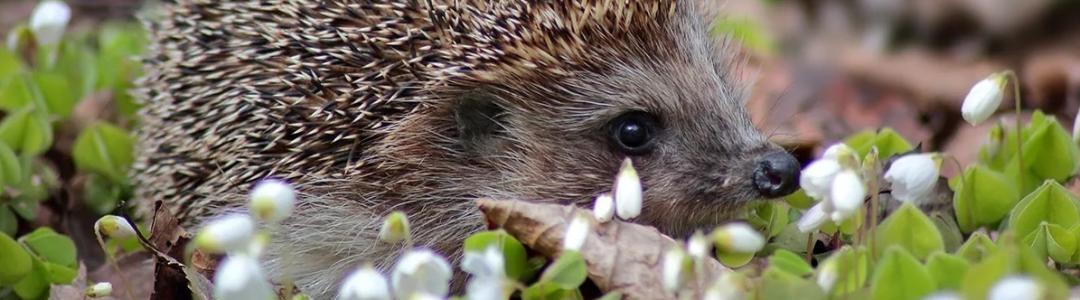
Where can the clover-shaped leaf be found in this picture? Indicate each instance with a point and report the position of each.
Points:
(983, 197)
(1050, 203)
(911, 230)
(900, 276)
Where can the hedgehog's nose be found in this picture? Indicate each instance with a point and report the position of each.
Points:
(776, 175)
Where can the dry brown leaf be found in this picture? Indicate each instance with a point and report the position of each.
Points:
(621, 257)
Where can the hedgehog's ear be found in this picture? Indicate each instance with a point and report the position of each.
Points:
(478, 117)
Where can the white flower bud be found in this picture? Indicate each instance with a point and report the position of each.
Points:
(983, 99)
(114, 227)
(576, 234)
(698, 246)
(627, 191)
(913, 177)
(364, 284)
(231, 233)
(485, 288)
(1016, 288)
(272, 200)
(730, 286)
(489, 262)
(813, 218)
(838, 151)
(677, 267)
(395, 228)
(739, 238)
(240, 277)
(816, 179)
(847, 195)
(100, 289)
(48, 21)
(421, 272)
(827, 274)
(604, 208)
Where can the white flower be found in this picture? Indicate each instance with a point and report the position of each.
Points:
(395, 228)
(816, 179)
(240, 277)
(627, 191)
(272, 200)
(114, 227)
(604, 208)
(983, 99)
(485, 288)
(847, 195)
(912, 176)
(1016, 288)
(827, 274)
(421, 272)
(576, 233)
(698, 246)
(489, 262)
(101, 289)
(738, 237)
(675, 269)
(838, 151)
(48, 21)
(946, 295)
(813, 218)
(730, 286)
(364, 284)
(231, 233)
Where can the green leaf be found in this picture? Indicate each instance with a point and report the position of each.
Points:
(101, 194)
(549, 291)
(8, 223)
(911, 230)
(516, 261)
(899, 276)
(105, 149)
(27, 132)
(981, 276)
(789, 262)
(35, 284)
(1050, 203)
(1049, 152)
(17, 263)
(16, 92)
(567, 272)
(950, 231)
(780, 285)
(10, 170)
(611, 296)
(983, 197)
(1052, 240)
(59, 274)
(887, 141)
(56, 92)
(770, 217)
(977, 247)
(1012, 258)
(799, 200)
(852, 267)
(51, 246)
(947, 270)
(10, 64)
(747, 32)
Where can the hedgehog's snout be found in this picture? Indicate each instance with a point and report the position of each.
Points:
(776, 174)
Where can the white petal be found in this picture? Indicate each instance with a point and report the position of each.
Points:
(848, 194)
(421, 272)
(627, 192)
(983, 99)
(485, 288)
(913, 177)
(836, 151)
(48, 21)
(576, 234)
(364, 284)
(947, 295)
(728, 287)
(1016, 288)
(604, 208)
(826, 276)
(739, 237)
(114, 227)
(100, 289)
(231, 233)
(240, 277)
(489, 262)
(674, 269)
(813, 218)
(816, 179)
(698, 246)
(272, 200)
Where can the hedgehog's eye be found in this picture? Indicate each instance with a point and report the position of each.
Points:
(633, 132)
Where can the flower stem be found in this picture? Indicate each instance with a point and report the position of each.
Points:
(810, 248)
(1019, 135)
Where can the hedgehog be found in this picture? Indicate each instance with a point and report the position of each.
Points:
(370, 107)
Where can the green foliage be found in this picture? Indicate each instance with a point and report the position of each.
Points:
(982, 197)
(887, 141)
(899, 276)
(910, 229)
(106, 150)
(516, 261)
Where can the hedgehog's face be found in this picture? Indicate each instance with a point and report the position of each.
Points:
(683, 126)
